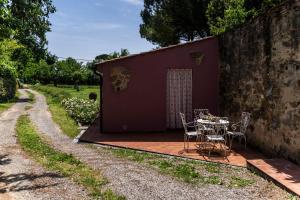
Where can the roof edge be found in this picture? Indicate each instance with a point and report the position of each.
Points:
(155, 50)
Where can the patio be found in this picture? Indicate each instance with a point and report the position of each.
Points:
(168, 143)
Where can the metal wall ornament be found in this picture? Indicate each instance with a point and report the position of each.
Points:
(198, 57)
(120, 77)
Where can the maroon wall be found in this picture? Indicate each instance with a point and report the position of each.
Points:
(142, 106)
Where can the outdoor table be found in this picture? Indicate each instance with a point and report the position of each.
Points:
(212, 124)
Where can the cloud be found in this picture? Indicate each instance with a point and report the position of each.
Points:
(104, 26)
(134, 2)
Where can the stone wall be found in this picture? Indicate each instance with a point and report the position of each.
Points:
(260, 73)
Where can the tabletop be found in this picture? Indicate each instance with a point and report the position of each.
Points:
(221, 122)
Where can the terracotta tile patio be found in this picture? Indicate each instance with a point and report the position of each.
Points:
(283, 172)
(170, 143)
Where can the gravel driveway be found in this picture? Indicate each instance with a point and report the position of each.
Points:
(21, 178)
(127, 178)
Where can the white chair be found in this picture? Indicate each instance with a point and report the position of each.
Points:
(217, 137)
(190, 131)
(199, 114)
(241, 133)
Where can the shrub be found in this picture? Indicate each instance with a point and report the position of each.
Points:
(83, 111)
(93, 96)
(8, 82)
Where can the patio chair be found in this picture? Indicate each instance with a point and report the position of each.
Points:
(190, 131)
(217, 137)
(241, 133)
(199, 113)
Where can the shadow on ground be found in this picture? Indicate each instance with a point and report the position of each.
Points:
(4, 160)
(23, 181)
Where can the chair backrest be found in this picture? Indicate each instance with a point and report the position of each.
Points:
(199, 113)
(245, 120)
(182, 116)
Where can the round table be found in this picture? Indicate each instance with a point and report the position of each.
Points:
(209, 122)
(220, 125)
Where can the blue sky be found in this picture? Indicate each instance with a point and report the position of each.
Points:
(87, 28)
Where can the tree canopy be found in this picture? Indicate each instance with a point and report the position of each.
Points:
(167, 22)
(29, 21)
(110, 56)
(224, 15)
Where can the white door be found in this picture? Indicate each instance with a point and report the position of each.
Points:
(179, 96)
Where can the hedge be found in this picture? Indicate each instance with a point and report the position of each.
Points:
(8, 82)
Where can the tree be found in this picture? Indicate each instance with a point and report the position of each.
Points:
(66, 69)
(224, 15)
(29, 22)
(5, 19)
(167, 22)
(113, 55)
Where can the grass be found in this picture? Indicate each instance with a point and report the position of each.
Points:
(6, 105)
(189, 171)
(67, 91)
(55, 95)
(62, 163)
(240, 182)
(31, 96)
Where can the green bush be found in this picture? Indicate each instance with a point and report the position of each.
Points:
(8, 82)
(83, 111)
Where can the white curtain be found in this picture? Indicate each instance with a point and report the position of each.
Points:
(179, 96)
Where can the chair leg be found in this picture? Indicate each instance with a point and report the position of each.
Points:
(245, 139)
(230, 142)
(184, 141)
(224, 148)
(188, 145)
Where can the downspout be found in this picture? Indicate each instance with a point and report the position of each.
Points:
(101, 99)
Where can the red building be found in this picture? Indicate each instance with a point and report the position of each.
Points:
(146, 92)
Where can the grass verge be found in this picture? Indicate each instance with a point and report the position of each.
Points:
(194, 172)
(6, 105)
(62, 163)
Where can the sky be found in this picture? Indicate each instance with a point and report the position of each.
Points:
(83, 29)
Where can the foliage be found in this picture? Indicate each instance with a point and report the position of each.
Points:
(30, 23)
(6, 105)
(5, 18)
(224, 15)
(67, 71)
(232, 13)
(8, 74)
(113, 55)
(8, 82)
(167, 22)
(83, 111)
(93, 96)
(65, 164)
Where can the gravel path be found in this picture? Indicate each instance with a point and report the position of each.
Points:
(127, 178)
(21, 178)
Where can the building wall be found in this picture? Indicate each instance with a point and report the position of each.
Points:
(142, 106)
(260, 73)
